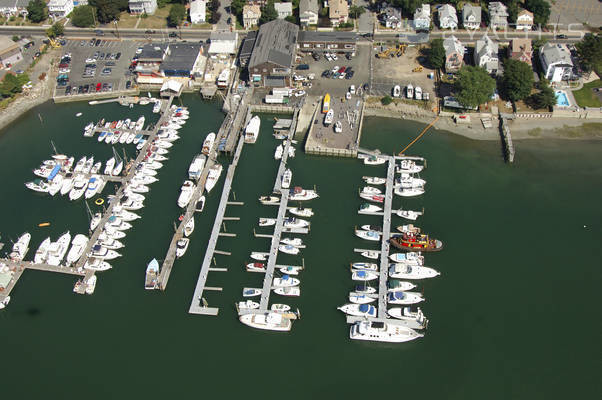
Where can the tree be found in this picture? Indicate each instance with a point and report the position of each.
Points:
(473, 86)
(590, 52)
(107, 10)
(15, 38)
(83, 16)
(540, 10)
(408, 6)
(545, 98)
(268, 13)
(215, 17)
(356, 11)
(57, 29)
(236, 7)
(10, 86)
(214, 5)
(385, 101)
(37, 11)
(291, 18)
(436, 54)
(517, 81)
(23, 79)
(177, 13)
(512, 10)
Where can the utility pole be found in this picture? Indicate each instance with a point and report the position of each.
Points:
(116, 28)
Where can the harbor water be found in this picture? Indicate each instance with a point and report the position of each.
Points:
(515, 313)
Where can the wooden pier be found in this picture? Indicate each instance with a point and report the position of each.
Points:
(384, 251)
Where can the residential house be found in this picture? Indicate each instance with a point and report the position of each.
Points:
(524, 20)
(10, 52)
(273, 55)
(138, 7)
(60, 8)
(284, 9)
(454, 54)
(390, 17)
(521, 50)
(422, 18)
(486, 54)
(308, 12)
(471, 16)
(337, 41)
(498, 15)
(198, 11)
(9, 8)
(250, 15)
(447, 17)
(556, 62)
(223, 43)
(338, 12)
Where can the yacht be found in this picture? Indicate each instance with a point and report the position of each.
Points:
(186, 192)
(405, 271)
(110, 233)
(409, 192)
(408, 214)
(413, 316)
(280, 308)
(96, 167)
(288, 249)
(269, 320)
(208, 143)
(38, 185)
(94, 185)
(103, 253)
(200, 205)
(250, 292)
(299, 194)
(359, 310)
(247, 305)
(376, 198)
(382, 332)
(409, 166)
(80, 183)
(88, 165)
(97, 264)
(278, 152)
(137, 187)
(181, 247)
(374, 160)
(91, 284)
(290, 269)
(213, 176)
(373, 180)
(267, 221)
(118, 168)
(42, 251)
(293, 291)
(164, 144)
(373, 255)
(117, 224)
(364, 266)
(252, 130)
(406, 298)
(338, 127)
(140, 123)
(413, 258)
(55, 185)
(297, 242)
(406, 180)
(109, 243)
(20, 247)
(295, 223)
(367, 208)
(78, 245)
(285, 281)
(363, 275)
(287, 176)
(329, 117)
(189, 227)
(67, 183)
(259, 256)
(371, 190)
(364, 289)
(95, 220)
(196, 167)
(368, 227)
(368, 235)
(301, 211)
(102, 136)
(58, 249)
(393, 285)
(361, 298)
(266, 200)
(152, 274)
(131, 204)
(256, 267)
(291, 152)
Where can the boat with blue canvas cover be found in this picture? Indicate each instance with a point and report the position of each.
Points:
(54, 172)
(359, 310)
(401, 297)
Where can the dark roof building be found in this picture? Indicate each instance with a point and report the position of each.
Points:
(181, 59)
(327, 41)
(247, 48)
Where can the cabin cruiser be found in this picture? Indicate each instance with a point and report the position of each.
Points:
(56, 184)
(295, 223)
(358, 310)
(267, 221)
(368, 227)
(297, 242)
(196, 167)
(208, 143)
(364, 289)
(285, 281)
(376, 198)
(413, 258)
(299, 194)
(373, 255)
(247, 305)
(109, 243)
(288, 249)
(58, 249)
(200, 204)
(408, 192)
(80, 185)
(367, 208)
(67, 183)
(270, 320)
(269, 200)
(252, 130)
(38, 185)
(287, 176)
(78, 245)
(186, 192)
(368, 235)
(293, 291)
(373, 180)
(301, 211)
(189, 227)
(329, 117)
(94, 185)
(363, 275)
(371, 190)
(97, 264)
(364, 266)
(152, 275)
(394, 285)
(408, 214)
(255, 267)
(20, 247)
(42, 251)
(91, 284)
(250, 292)
(408, 166)
(278, 152)
(290, 269)
(406, 180)
(412, 315)
(182, 246)
(382, 332)
(361, 298)
(95, 220)
(401, 297)
(88, 165)
(103, 253)
(213, 176)
(96, 167)
(259, 256)
(405, 271)
(374, 160)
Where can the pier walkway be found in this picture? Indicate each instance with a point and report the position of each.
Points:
(384, 251)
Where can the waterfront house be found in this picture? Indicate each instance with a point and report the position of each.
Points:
(284, 9)
(556, 62)
(454, 54)
(223, 44)
(149, 63)
(308, 12)
(183, 60)
(337, 41)
(138, 7)
(498, 15)
(273, 55)
(59, 8)
(250, 15)
(422, 18)
(9, 8)
(10, 52)
(338, 12)
(521, 50)
(471, 16)
(524, 20)
(390, 17)
(486, 54)
(198, 11)
(447, 17)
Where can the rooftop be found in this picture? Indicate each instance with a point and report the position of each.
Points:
(336, 36)
(152, 52)
(181, 57)
(276, 43)
(308, 5)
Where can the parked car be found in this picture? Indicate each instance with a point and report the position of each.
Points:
(128, 84)
(98, 86)
(86, 88)
(334, 57)
(98, 32)
(117, 56)
(68, 90)
(561, 36)
(97, 43)
(302, 67)
(316, 56)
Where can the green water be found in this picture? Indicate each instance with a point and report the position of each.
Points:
(515, 313)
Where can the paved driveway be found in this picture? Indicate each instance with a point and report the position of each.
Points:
(576, 11)
(366, 19)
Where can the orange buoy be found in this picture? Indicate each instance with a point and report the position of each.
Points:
(44, 224)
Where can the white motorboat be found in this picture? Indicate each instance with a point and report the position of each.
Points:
(297, 242)
(329, 117)
(364, 289)
(55, 185)
(364, 266)
(363, 275)
(78, 245)
(299, 194)
(196, 167)
(291, 152)
(269, 321)
(295, 223)
(269, 200)
(338, 127)
(91, 284)
(38, 185)
(267, 221)
(367, 208)
(58, 249)
(374, 160)
(137, 138)
(396, 91)
(67, 184)
(394, 285)
(382, 332)
(368, 235)
(361, 298)
(409, 228)
(117, 224)
(94, 185)
(181, 247)
(290, 269)
(301, 211)
(123, 137)
(137, 187)
(97, 264)
(146, 171)
(110, 233)
(116, 136)
(80, 184)
(189, 227)
(252, 130)
(250, 292)
(140, 123)
(368, 227)
(142, 143)
(108, 139)
(288, 249)
(130, 138)
(413, 258)
(376, 198)
(373, 180)
(200, 205)
(259, 256)
(408, 192)
(131, 204)
(413, 316)
(409, 166)
(255, 267)
(278, 152)
(208, 143)
(157, 106)
(96, 167)
(42, 251)
(141, 179)
(213, 176)
(371, 190)
(152, 164)
(401, 297)
(247, 305)
(102, 136)
(95, 220)
(405, 271)
(111, 244)
(103, 253)
(285, 281)
(406, 180)
(131, 195)
(151, 275)
(118, 168)
(358, 310)
(20, 247)
(293, 291)
(88, 165)
(186, 192)
(287, 176)
(373, 255)
(280, 308)
(164, 144)
(408, 214)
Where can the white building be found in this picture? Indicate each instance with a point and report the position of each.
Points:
(471, 16)
(10, 52)
(422, 17)
(223, 43)
(447, 17)
(308, 12)
(142, 6)
(556, 62)
(284, 9)
(524, 20)
(198, 11)
(498, 15)
(60, 8)
(13, 7)
(486, 54)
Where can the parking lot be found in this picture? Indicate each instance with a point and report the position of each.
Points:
(102, 65)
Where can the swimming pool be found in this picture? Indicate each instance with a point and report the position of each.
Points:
(561, 99)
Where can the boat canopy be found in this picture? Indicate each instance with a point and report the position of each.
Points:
(285, 277)
(54, 172)
(365, 308)
(397, 296)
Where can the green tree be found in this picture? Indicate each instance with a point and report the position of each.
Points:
(268, 13)
(590, 52)
(162, 3)
(215, 17)
(83, 16)
(517, 81)
(512, 10)
(10, 86)
(214, 5)
(385, 101)
(177, 13)
(408, 6)
(37, 11)
(236, 7)
(23, 79)
(473, 86)
(291, 18)
(356, 11)
(545, 98)
(540, 10)
(57, 29)
(15, 38)
(107, 10)
(436, 53)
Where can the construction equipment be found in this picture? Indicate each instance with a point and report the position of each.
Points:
(55, 43)
(400, 50)
(391, 52)
(385, 53)
(417, 69)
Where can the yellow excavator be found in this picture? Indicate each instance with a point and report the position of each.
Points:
(417, 69)
(391, 52)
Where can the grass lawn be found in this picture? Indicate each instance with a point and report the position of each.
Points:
(156, 21)
(586, 97)
(126, 21)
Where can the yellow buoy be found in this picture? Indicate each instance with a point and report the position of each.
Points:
(99, 201)
(44, 224)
